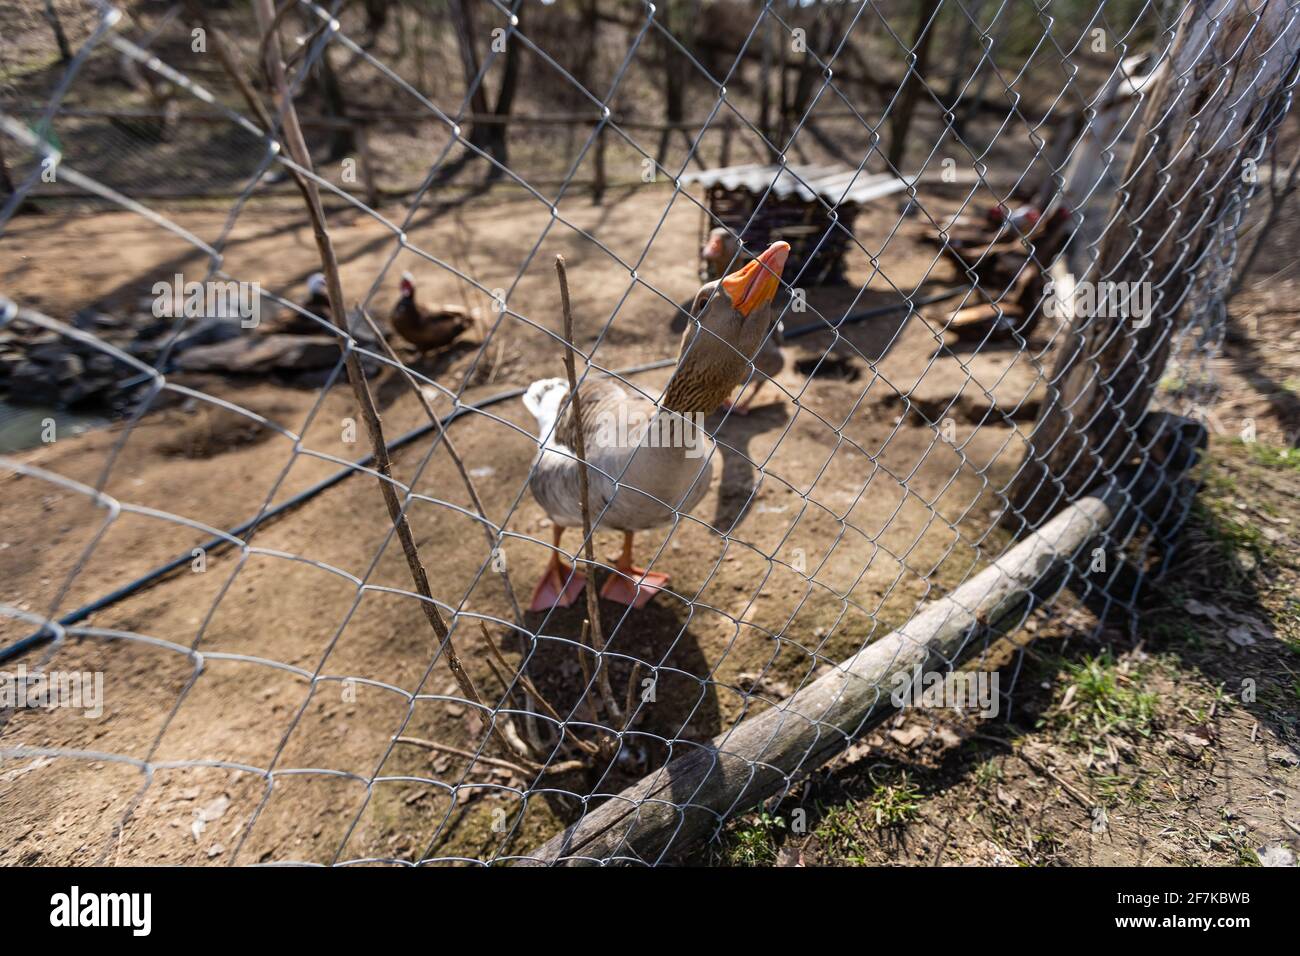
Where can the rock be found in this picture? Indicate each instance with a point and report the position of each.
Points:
(1275, 856)
(788, 855)
(207, 332)
(1192, 606)
(215, 810)
(92, 320)
(67, 368)
(33, 384)
(48, 352)
(253, 355)
(1240, 635)
(908, 737)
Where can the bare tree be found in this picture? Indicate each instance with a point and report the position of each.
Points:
(900, 116)
(679, 19)
(490, 128)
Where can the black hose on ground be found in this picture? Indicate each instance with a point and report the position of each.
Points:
(216, 543)
(80, 614)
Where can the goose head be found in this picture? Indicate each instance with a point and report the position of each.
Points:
(730, 319)
(718, 251)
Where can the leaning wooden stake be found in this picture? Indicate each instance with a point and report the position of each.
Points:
(584, 485)
(680, 804)
(268, 22)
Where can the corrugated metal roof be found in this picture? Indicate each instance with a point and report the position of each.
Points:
(834, 184)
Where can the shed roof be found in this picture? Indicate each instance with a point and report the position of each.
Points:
(835, 184)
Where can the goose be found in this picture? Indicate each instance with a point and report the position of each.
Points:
(427, 330)
(718, 252)
(647, 462)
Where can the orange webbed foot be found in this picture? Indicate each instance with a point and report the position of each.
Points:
(560, 586)
(633, 586)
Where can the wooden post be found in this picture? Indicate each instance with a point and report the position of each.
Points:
(367, 167)
(900, 117)
(598, 176)
(1214, 106)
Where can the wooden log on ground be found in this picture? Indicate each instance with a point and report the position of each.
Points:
(982, 314)
(685, 801)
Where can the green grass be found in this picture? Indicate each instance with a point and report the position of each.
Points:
(1273, 456)
(892, 804)
(755, 843)
(1105, 701)
(840, 831)
(988, 774)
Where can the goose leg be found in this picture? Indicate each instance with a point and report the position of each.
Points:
(630, 584)
(560, 584)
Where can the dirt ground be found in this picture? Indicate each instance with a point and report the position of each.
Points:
(1173, 742)
(305, 673)
(790, 486)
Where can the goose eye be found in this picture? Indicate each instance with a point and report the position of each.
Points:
(701, 299)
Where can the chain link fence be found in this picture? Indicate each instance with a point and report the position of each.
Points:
(993, 412)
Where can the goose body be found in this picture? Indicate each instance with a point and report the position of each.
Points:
(647, 462)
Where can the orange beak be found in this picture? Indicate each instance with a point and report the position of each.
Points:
(755, 285)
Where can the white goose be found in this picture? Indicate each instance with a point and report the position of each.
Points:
(647, 462)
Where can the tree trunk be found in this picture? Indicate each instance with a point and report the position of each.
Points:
(462, 15)
(498, 139)
(967, 44)
(342, 138)
(900, 118)
(675, 69)
(1216, 104)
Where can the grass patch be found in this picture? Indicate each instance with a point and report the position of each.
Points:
(754, 844)
(1274, 456)
(1102, 699)
(892, 804)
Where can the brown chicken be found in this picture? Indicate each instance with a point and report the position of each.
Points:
(427, 330)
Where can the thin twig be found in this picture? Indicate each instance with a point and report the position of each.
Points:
(562, 767)
(1041, 768)
(445, 438)
(588, 546)
(585, 641)
(520, 676)
(530, 687)
(631, 692)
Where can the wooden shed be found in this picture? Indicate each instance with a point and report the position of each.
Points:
(803, 204)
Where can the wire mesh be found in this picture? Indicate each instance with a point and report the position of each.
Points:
(885, 485)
